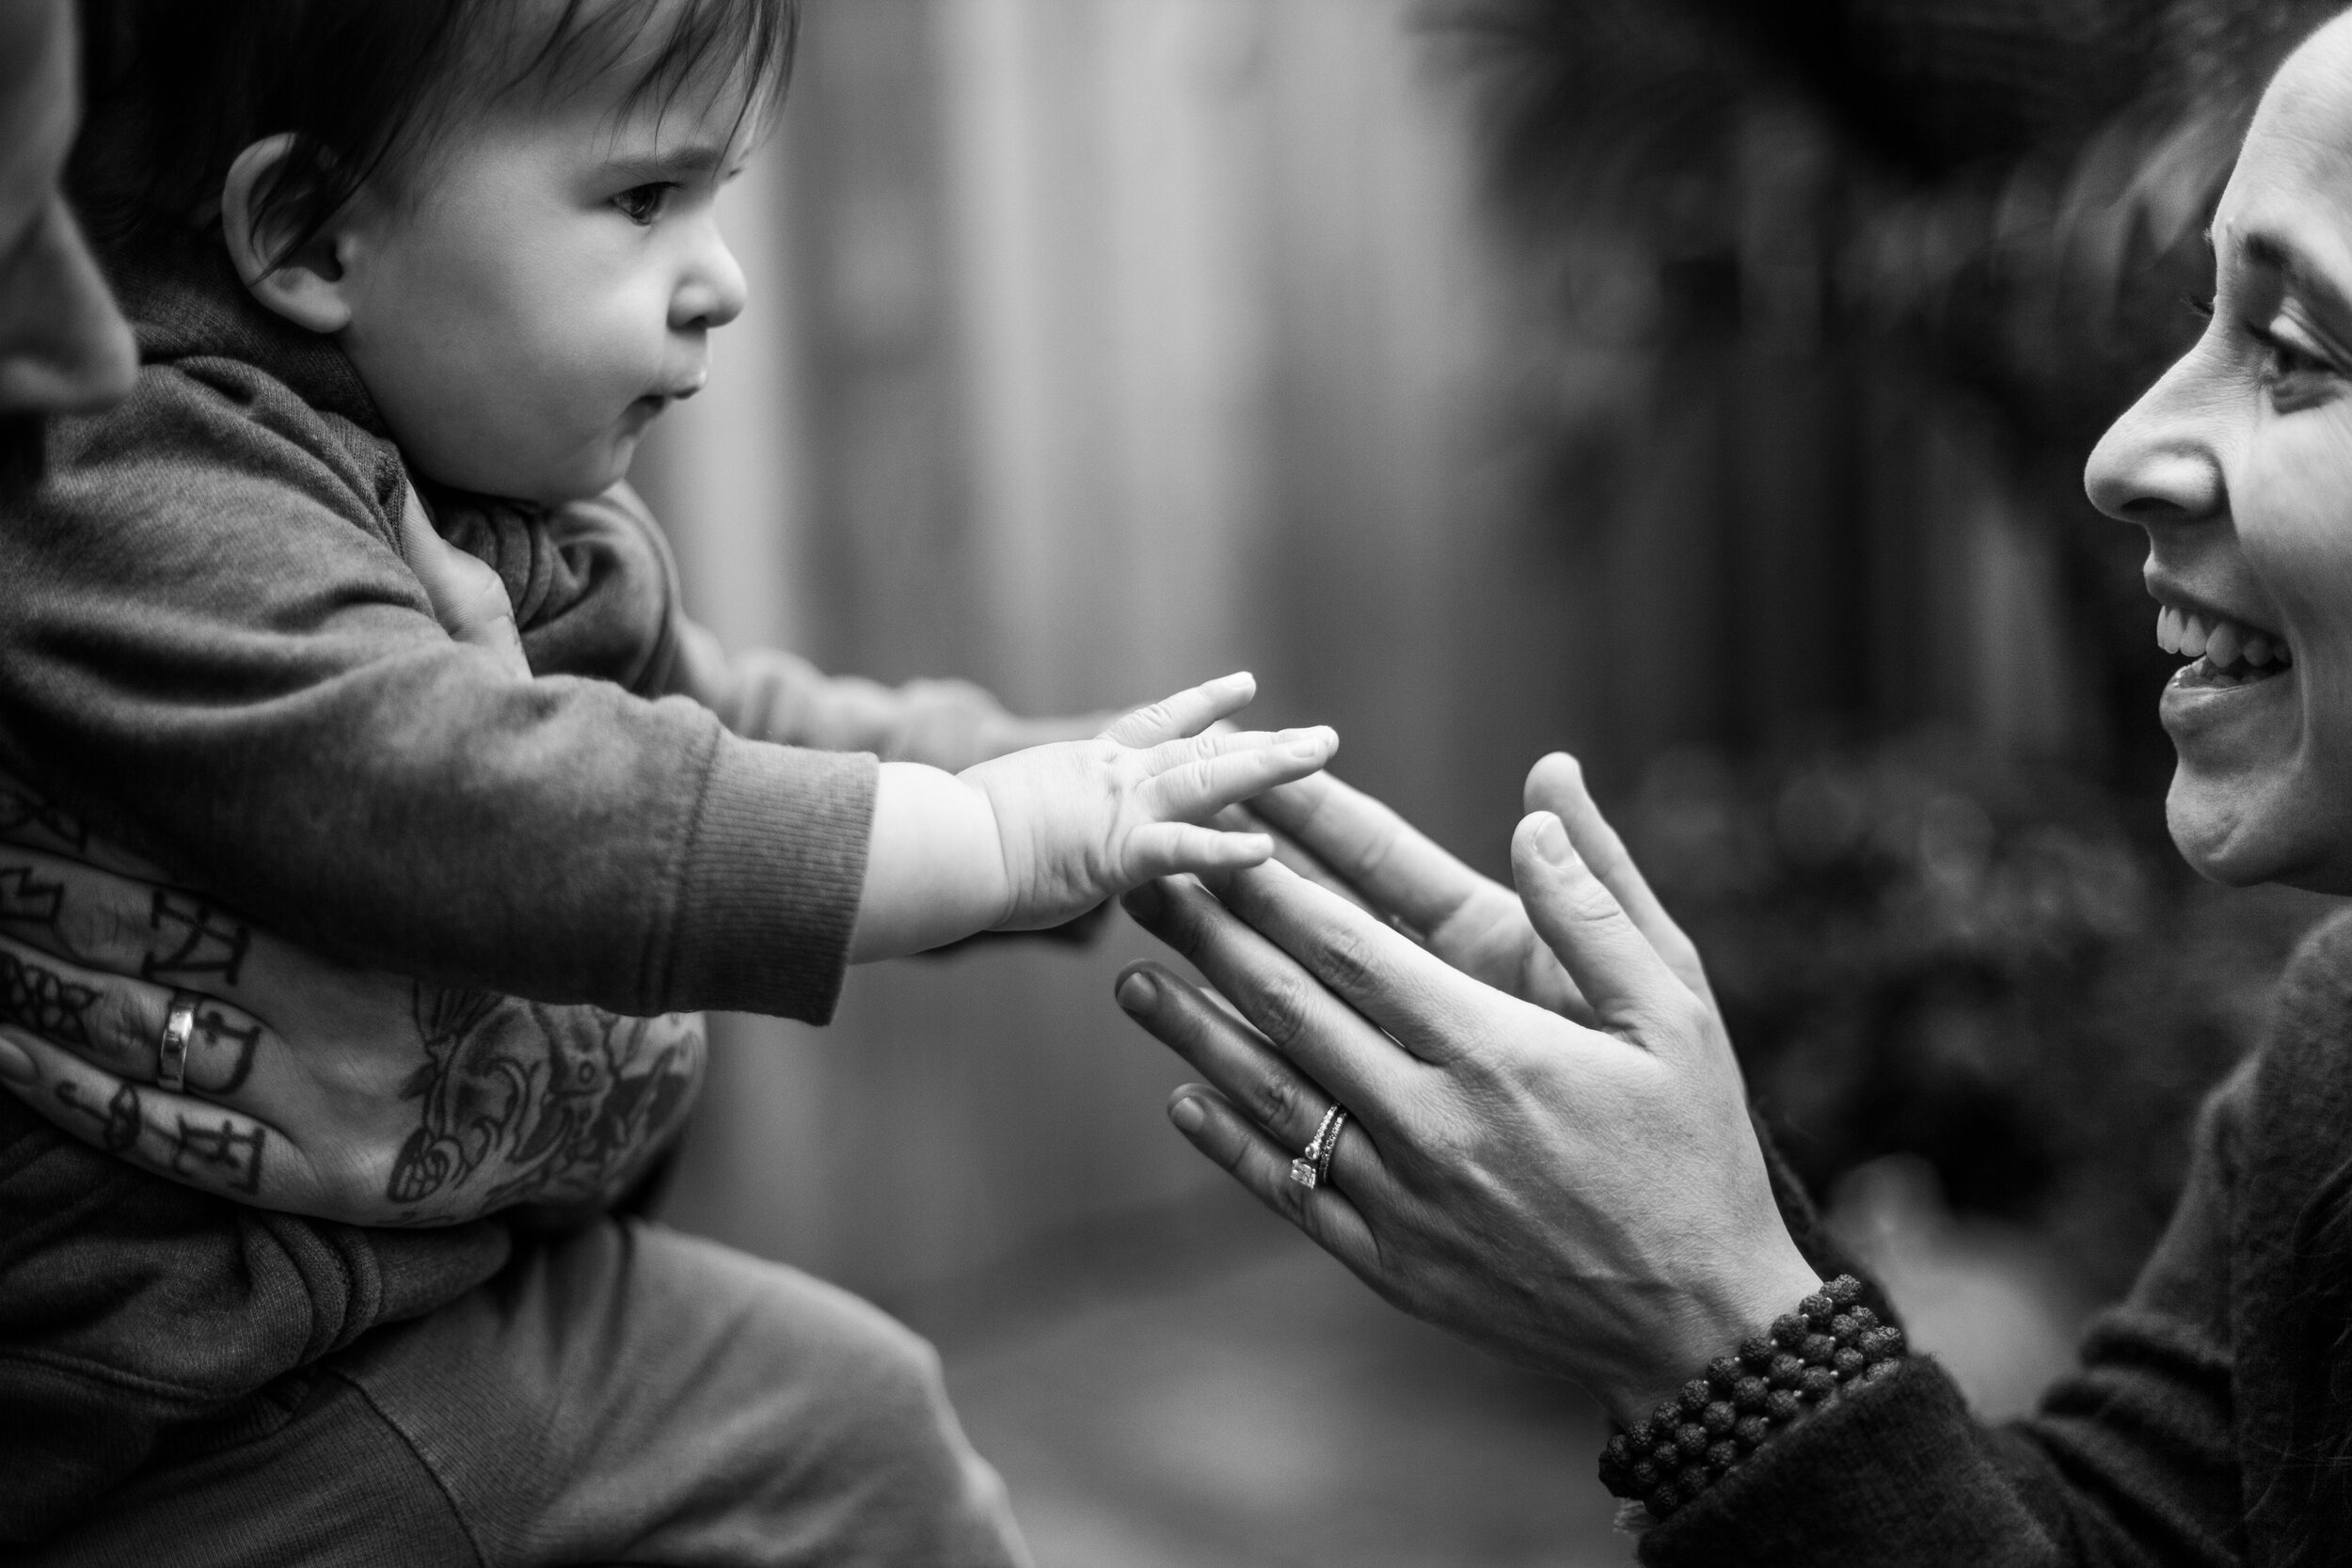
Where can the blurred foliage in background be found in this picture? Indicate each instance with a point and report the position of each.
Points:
(1922, 949)
(1926, 941)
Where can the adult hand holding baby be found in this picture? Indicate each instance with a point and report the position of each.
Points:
(1036, 837)
(300, 1084)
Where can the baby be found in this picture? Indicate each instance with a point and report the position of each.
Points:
(415, 273)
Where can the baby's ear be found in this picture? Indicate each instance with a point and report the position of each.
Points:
(305, 286)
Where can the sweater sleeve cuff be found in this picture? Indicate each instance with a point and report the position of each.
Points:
(1895, 1472)
(768, 896)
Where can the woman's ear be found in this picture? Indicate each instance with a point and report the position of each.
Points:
(308, 287)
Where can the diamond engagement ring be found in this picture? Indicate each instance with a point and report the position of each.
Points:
(1313, 1168)
(171, 1051)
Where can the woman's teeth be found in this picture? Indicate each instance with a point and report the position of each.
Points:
(2222, 648)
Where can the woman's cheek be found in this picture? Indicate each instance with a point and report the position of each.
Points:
(2292, 508)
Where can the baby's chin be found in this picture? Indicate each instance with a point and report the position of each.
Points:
(551, 485)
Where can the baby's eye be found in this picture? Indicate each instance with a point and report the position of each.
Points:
(642, 204)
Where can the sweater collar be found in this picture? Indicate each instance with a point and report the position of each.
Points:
(185, 301)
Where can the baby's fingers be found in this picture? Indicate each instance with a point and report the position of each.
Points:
(1236, 767)
(1165, 848)
(1186, 713)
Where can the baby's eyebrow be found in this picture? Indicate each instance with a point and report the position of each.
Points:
(692, 161)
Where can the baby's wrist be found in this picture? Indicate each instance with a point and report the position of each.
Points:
(934, 865)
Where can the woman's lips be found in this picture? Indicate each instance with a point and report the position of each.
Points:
(2204, 707)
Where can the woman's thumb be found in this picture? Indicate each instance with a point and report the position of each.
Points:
(1611, 962)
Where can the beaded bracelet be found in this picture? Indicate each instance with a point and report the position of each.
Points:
(1829, 1341)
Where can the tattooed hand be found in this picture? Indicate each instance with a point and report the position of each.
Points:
(309, 1086)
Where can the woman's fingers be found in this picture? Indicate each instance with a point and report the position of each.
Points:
(1432, 1009)
(1289, 851)
(1556, 785)
(1396, 868)
(174, 1135)
(1196, 779)
(1610, 960)
(1187, 712)
(116, 1024)
(1324, 1213)
(1225, 1051)
(1314, 1030)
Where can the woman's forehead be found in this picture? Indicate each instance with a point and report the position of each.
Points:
(2293, 183)
(2304, 121)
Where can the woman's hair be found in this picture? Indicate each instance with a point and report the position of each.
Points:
(176, 89)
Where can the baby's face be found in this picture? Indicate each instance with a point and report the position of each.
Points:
(549, 289)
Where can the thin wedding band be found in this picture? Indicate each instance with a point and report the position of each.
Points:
(171, 1051)
(1331, 1146)
(1313, 1168)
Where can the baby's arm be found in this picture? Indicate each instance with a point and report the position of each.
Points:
(767, 694)
(1034, 838)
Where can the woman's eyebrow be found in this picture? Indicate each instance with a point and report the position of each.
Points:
(2306, 281)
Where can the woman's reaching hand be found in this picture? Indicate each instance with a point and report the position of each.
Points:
(1584, 1197)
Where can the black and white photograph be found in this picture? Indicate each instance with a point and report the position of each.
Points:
(1175, 783)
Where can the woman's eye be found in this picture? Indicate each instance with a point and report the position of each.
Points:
(642, 204)
(2296, 374)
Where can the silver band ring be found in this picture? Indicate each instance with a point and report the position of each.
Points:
(172, 1052)
(1313, 1168)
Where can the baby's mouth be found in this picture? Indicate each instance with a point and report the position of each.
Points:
(2222, 652)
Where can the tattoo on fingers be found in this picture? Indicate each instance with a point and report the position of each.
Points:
(214, 1150)
(225, 1051)
(208, 944)
(36, 997)
(30, 900)
(23, 811)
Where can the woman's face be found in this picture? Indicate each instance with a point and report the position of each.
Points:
(2239, 464)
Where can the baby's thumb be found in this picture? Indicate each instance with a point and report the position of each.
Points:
(467, 598)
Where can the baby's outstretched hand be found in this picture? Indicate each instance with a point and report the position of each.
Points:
(1036, 837)
(1086, 820)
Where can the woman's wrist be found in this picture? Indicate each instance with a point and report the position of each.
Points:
(1832, 1342)
(1712, 1322)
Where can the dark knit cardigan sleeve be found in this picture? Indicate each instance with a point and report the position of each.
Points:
(2129, 1461)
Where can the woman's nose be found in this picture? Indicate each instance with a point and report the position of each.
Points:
(713, 291)
(63, 348)
(2157, 463)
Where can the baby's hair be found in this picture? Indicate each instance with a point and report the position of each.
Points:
(176, 89)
